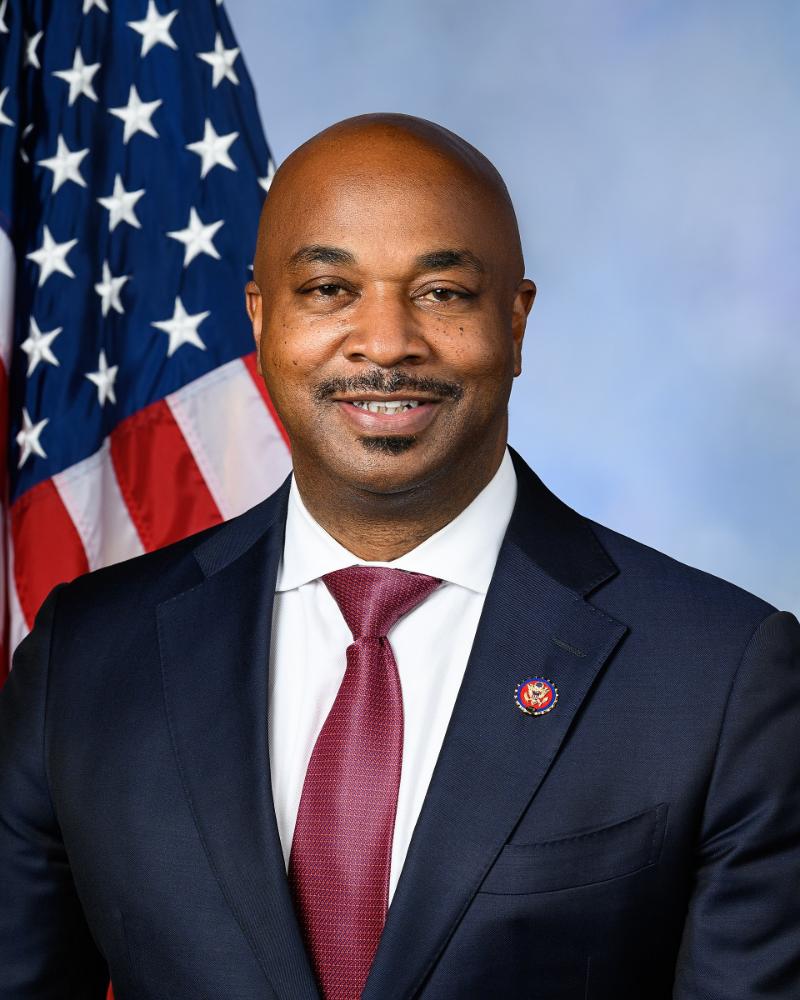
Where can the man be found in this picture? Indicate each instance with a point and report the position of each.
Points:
(566, 763)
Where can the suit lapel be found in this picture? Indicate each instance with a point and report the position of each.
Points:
(214, 641)
(494, 757)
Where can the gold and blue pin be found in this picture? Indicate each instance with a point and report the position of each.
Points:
(536, 696)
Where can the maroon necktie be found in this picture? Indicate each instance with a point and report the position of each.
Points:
(342, 845)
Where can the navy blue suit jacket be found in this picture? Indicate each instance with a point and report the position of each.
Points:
(641, 841)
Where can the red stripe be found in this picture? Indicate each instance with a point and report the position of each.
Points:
(161, 484)
(4, 652)
(252, 366)
(47, 548)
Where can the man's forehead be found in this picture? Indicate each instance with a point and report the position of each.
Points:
(337, 186)
(372, 178)
(440, 258)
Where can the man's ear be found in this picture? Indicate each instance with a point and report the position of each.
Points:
(523, 301)
(254, 303)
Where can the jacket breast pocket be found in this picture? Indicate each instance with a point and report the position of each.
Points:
(580, 859)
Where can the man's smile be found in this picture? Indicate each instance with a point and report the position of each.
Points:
(381, 414)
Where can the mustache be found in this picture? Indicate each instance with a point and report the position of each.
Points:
(377, 380)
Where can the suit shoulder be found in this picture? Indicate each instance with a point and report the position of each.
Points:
(153, 572)
(652, 580)
(157, 575)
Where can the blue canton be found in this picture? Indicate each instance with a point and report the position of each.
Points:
(133, 166)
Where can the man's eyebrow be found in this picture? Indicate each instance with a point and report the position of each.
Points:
(316, 253)
(437, 260)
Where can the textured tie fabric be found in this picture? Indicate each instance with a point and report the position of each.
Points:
(341, 851)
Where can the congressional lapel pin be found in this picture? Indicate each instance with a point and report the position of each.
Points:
(536, 696)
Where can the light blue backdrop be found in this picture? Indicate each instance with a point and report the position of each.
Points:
(652, 150)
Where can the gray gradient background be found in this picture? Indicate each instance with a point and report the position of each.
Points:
(651, 149)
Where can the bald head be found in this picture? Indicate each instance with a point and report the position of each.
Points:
(391, 152)
(389, 309)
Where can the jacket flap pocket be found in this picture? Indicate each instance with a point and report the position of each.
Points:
(581, 859)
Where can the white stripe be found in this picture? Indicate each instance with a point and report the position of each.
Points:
(7, 589)
(7, 271)
(18, 627)
(235, 442)
(92, 496)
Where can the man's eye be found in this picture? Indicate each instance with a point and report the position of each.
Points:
(443, 294)
(327, 291)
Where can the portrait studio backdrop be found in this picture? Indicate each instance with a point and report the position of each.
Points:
(651, 150)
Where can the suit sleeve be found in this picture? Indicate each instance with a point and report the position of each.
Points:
(46, 951)
(742, 935)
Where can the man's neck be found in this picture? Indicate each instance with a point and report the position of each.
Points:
(383, 527)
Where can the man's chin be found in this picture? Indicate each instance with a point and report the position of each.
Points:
(387, 464)
(394, 444)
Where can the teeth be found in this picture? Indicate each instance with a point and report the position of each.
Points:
(396, 406)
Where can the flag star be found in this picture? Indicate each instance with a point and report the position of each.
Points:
(136, 115)
(182, 328)
(109, 288)
(4, 119)
(79, 78)
(51, 257)
(65, 165)
(104, 379)
(37, 346)
(23, 155)
(154, 29)
(31, 44)
(121, 205)
(267, 180)
(221, 61)
(213, 149)
(3, 25)
(89, 4)
(197, 237)
(28, 438)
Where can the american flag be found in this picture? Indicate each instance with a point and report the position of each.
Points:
(132, 170)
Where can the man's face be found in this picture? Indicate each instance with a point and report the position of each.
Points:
(390, 323)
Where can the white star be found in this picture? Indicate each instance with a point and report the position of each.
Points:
(4, 119)
(37, 346)
(28, 438)
(221, 60)
(197, 237)
(213, 149)
(31, 43)
(104, 378)
(65, 165)
(120, 205)
(88, 4)
(3, 25)
(136, 115)
(154, 28)
(79, 78)
(23, 155)
(109, 288)
(182, 328)
(267, 180)
(51, 257)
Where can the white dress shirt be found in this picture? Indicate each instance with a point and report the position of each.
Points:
(431, 645)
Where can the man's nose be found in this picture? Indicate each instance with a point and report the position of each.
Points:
(386, 332)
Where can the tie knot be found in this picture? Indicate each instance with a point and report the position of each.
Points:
(373, 598)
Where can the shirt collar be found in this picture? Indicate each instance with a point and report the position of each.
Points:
(463, 552)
